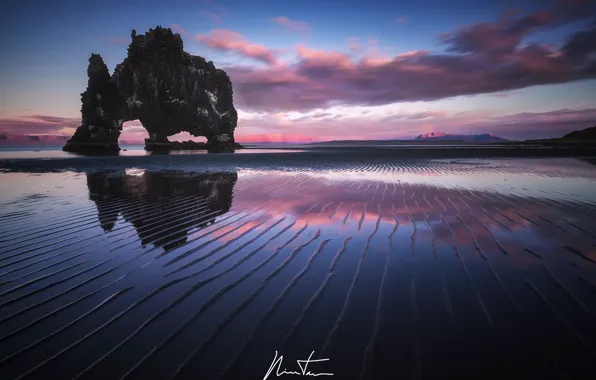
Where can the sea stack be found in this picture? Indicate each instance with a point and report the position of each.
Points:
(168, 90)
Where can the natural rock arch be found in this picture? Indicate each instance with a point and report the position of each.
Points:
(168, 90)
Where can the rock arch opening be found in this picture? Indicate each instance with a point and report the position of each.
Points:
(133, 133)
(185, 136)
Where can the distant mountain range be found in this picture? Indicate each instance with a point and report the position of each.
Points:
(442, 136)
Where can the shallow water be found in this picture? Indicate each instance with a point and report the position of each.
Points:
(46, 152)
(401, 269)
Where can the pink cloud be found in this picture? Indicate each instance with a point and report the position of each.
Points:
(134, 128)
(479, 59)
(229, 41)
(297, 26)
(402, 20)
(413, 53)
(316, 57)
(274, 138)
(325, 125)
(406, 126)
(334, 77)
(39, 124)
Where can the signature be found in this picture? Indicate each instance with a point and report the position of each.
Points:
(301, 363)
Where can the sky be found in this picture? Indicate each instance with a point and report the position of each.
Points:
(315, 70)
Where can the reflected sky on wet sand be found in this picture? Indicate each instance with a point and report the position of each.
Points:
(139, 150)
(427, 269)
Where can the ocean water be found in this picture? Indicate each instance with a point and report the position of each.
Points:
(194, 268)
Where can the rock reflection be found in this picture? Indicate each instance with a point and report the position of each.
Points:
(162, 206)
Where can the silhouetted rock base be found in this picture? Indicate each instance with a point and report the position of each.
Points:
(91, 147)
(162, 146)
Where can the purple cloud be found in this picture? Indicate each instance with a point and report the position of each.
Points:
(38, 124)
(229, 41)
(479, 59)
(537, 125)
(495, 38)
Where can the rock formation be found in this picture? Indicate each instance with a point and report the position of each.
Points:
(166, 89)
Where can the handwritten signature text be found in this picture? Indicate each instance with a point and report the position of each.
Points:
(303, 364)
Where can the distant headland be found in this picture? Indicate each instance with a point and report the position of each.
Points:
(442, 136)
(583, 138)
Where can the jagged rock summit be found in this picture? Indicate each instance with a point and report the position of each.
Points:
(168, 90)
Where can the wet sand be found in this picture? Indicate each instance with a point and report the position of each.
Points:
(295, 157)
(203, 267)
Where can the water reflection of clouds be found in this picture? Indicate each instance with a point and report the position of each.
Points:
(486, 178)
(340, 208)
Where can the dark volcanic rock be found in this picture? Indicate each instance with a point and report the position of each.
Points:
(166, 89)
(101, 103)
(153, 146)
(584, 134)
(212, 146)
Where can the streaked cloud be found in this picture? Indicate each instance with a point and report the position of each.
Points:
(335, 123)
(293, 25)
(229, 41)
(391, 122)
(481, 58)
(367, 89)
(39, 124)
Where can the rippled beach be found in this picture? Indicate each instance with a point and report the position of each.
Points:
(390, 268)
